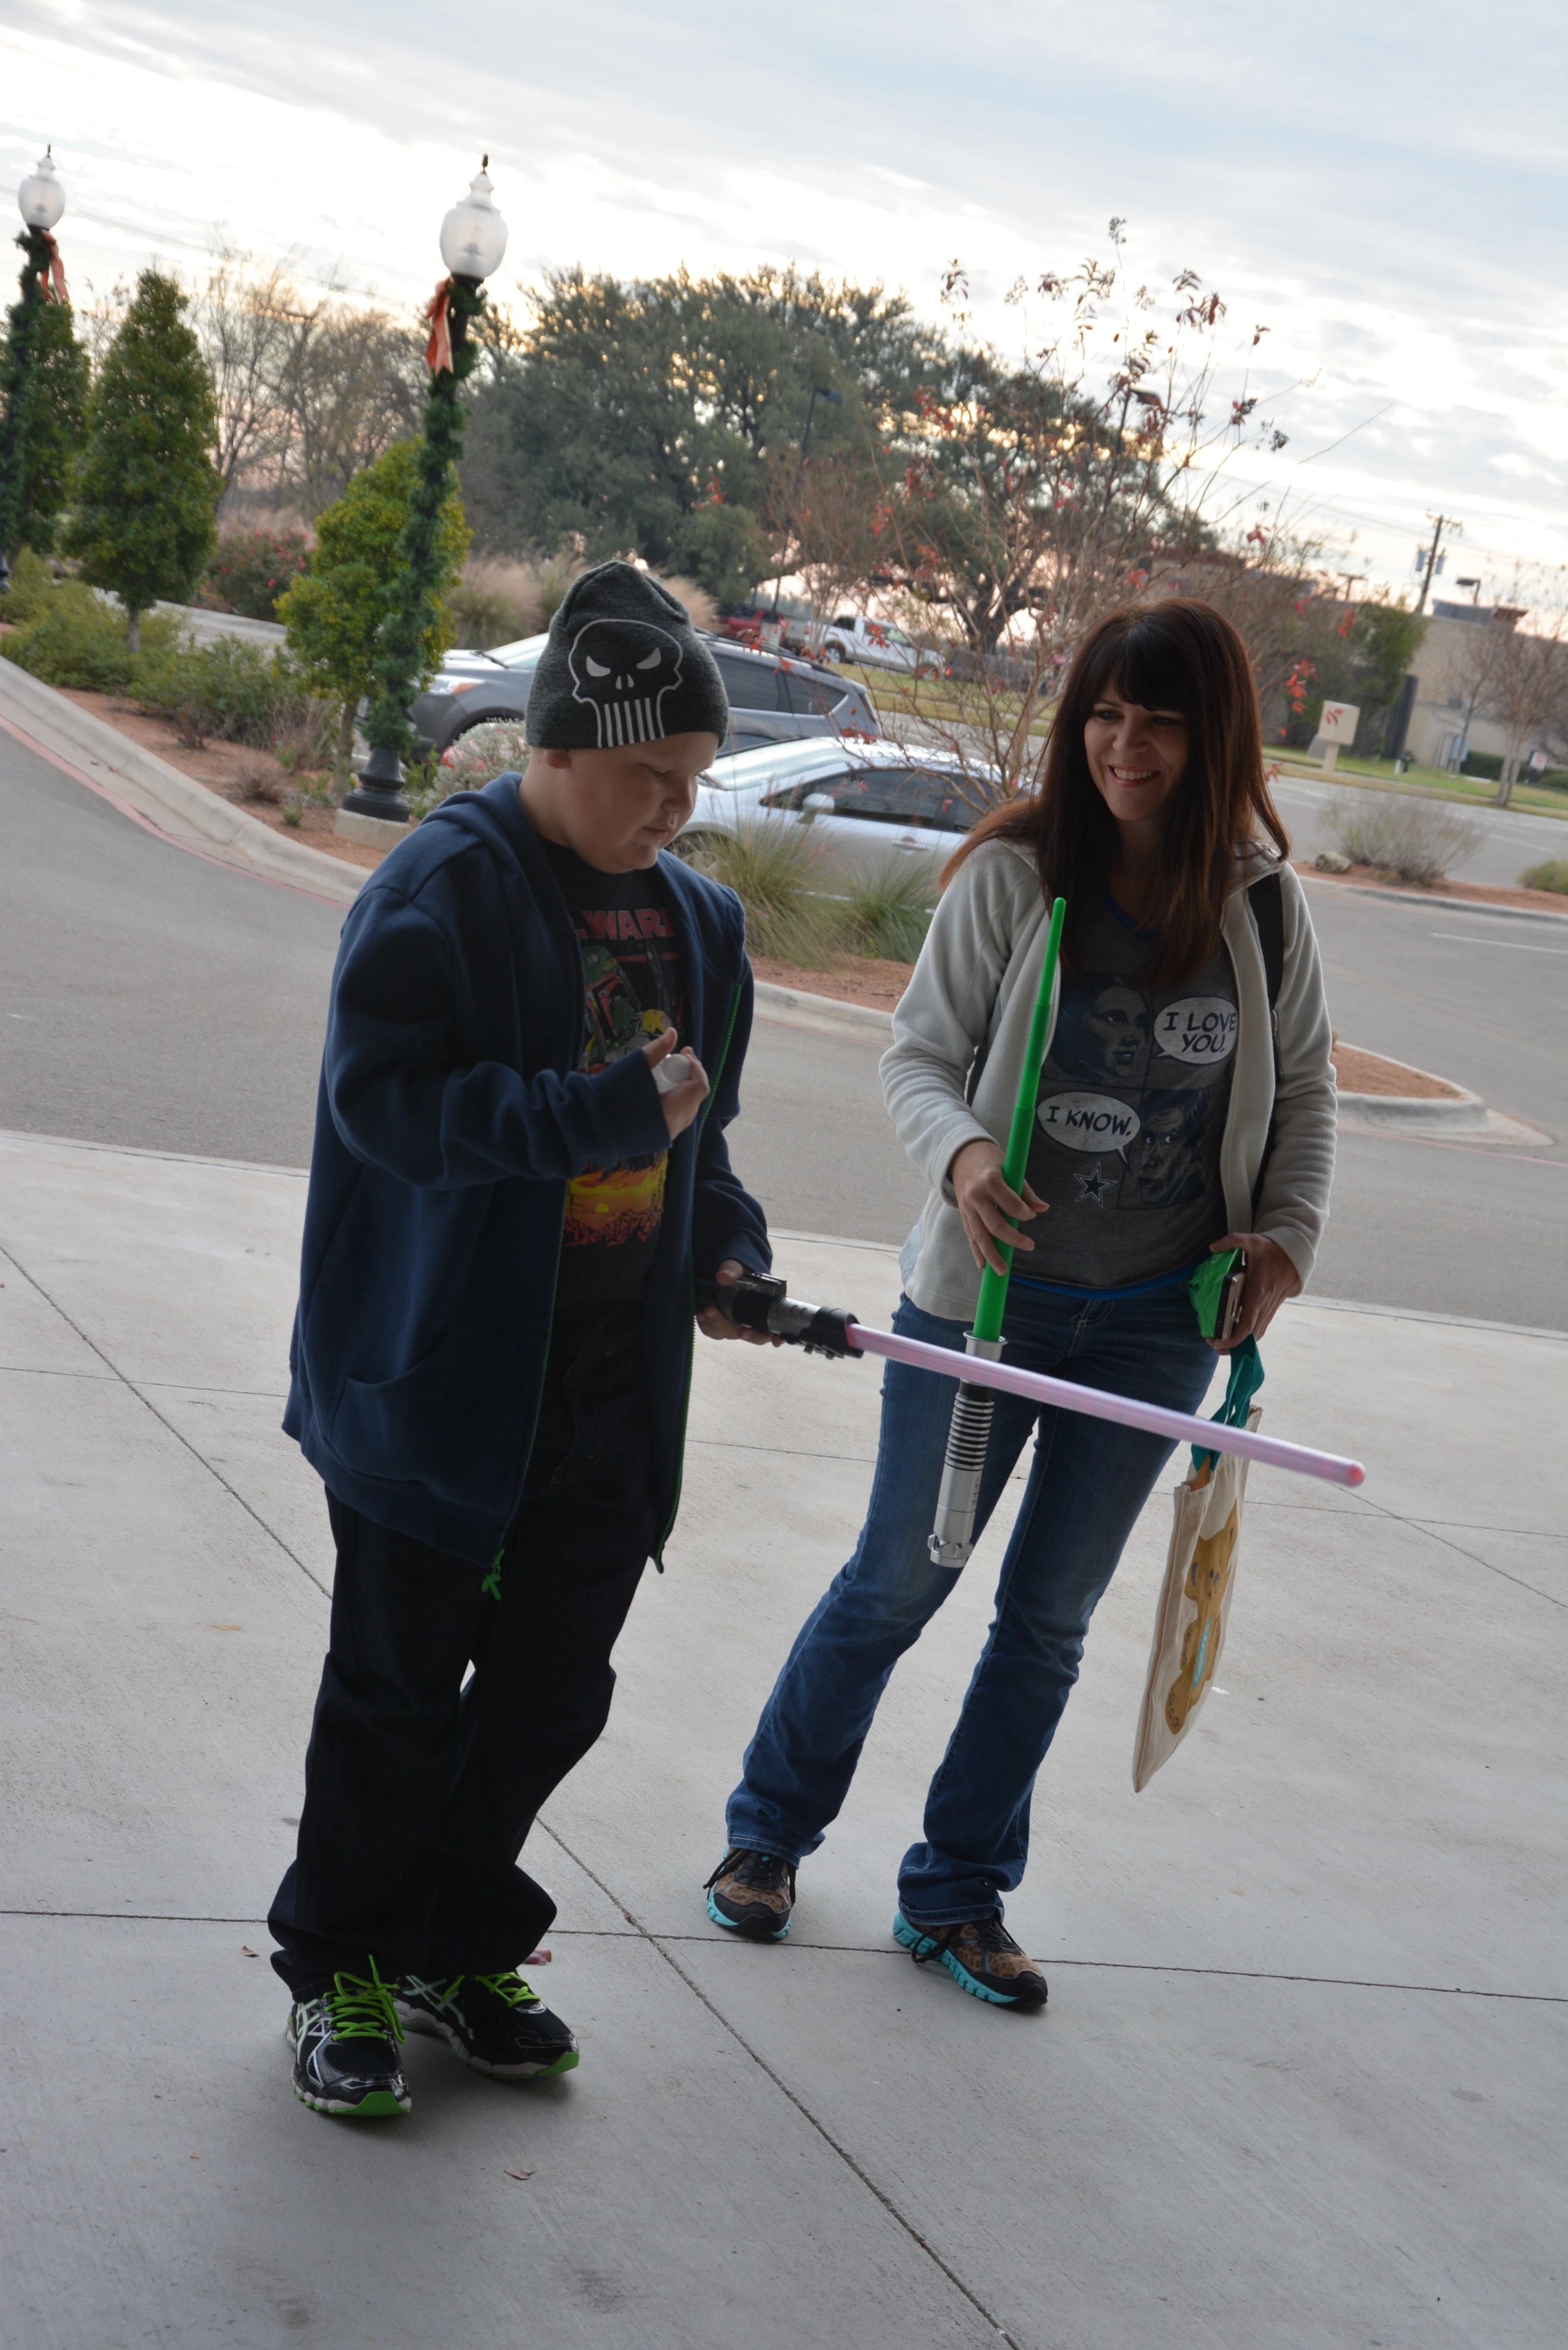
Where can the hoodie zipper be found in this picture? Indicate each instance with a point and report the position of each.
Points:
(692, 1303)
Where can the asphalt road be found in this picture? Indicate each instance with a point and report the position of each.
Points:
(156, 999)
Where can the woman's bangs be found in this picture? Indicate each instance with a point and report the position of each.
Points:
(1148, 666)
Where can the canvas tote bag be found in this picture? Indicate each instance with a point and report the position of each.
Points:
(1199, 1581)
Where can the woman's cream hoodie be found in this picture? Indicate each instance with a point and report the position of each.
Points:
(959, 1035)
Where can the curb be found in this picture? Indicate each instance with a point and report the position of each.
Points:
(1458, 1113)
(161, 792)
(803, 1009)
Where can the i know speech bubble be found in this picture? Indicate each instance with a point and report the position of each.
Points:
(1089, 1122)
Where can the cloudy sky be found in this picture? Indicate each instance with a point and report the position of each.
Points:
(1382, 181)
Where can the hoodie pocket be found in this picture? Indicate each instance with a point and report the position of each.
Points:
(452, 1423)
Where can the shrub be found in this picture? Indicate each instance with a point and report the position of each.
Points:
(77, 640)
(471, 763)
(32, 585)
(888, 913)
(230, 692)
(250, 569)
(226, 689)
(1415, 839)
(1553, 875)
(772, 869)
(496, 602)
(1487, 764)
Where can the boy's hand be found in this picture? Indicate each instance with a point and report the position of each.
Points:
(714, 1322)
(681, 1105)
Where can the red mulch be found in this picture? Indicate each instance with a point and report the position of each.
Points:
(1369, 1073)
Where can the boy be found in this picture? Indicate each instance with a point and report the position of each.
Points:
(493, 1343)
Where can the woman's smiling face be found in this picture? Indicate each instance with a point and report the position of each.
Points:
(1138, 757)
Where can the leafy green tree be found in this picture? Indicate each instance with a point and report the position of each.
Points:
(44, 379)
(148, 490)
(334, 617)
(1359, 655)
(646, 417)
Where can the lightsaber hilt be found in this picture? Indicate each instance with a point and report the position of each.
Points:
(951, 1537)
(757, 1301)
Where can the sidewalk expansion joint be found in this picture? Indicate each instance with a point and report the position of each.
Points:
(637, 1933)
(147, 1405)
(659, 1943)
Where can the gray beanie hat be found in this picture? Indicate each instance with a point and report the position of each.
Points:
(624, 664)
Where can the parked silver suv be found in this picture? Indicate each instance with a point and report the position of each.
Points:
(773, 699)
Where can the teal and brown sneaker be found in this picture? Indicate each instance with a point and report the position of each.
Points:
(494, 2023)
(345, 2043)
(753, 1893)
(981, 1957)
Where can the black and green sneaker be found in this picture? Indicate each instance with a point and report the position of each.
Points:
(344, 2044)
(494, 2023)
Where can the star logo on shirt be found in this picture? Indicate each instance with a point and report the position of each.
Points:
(1093, 1187)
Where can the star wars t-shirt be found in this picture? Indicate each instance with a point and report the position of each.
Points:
(1132, 1107)
(631, 963)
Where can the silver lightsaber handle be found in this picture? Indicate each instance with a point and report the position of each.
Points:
(951, 1539)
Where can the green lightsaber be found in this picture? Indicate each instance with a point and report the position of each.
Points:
(952, 1537)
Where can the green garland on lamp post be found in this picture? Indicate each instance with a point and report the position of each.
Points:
(41, 200)
(472, 241)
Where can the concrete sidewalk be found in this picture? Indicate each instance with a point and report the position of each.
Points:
(1295, 2084)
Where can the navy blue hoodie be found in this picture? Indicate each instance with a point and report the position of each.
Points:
(451, 1115)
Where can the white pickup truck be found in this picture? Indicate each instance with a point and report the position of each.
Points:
(875, 644)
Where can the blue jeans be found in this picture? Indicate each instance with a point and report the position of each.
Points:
(1089, 1481)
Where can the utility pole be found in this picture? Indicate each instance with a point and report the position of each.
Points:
(1440, 524)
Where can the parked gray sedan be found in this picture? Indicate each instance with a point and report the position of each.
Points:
(772, 699)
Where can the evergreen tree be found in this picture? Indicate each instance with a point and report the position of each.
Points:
(147, 489)
(334, 617)
(43, 402)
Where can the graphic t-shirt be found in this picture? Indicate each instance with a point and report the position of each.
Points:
(1133, 1100)
(631, 962)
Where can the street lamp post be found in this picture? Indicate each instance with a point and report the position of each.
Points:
(41, 201)
(834, 400)
(472, 243)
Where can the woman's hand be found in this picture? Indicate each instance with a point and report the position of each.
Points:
(986, 1204)
(714, 1322)
(681, 1106)
(1271, 1279)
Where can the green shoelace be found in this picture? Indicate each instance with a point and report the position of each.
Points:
(361, 2010)
(510, 1987)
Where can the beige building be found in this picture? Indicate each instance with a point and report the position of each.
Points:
(1450, 716)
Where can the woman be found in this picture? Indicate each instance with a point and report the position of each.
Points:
(1175, 1117)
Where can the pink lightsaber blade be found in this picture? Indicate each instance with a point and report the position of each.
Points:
(1094, 1403)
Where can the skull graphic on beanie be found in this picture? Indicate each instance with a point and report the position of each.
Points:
(623, 665)
(625, 669)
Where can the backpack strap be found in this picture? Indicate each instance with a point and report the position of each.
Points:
(1267, 899)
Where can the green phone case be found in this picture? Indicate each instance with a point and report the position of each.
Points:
(1206, 1284)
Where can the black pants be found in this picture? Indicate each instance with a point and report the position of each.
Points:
(420, 1791)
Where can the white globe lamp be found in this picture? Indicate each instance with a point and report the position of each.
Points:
(41, 200)
(474, 235)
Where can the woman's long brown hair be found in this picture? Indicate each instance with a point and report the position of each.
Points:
(1181, 655)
